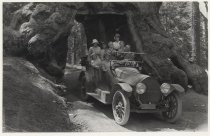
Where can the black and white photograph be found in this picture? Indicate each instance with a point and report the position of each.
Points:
(104, 66)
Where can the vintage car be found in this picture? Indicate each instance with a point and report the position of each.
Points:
(129, 88)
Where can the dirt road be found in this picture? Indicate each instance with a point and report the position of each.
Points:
(96, 116)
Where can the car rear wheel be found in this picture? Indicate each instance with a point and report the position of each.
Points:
(121, 108)
(174, 104)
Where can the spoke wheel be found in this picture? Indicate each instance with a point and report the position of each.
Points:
(121, 108)
(174, 104)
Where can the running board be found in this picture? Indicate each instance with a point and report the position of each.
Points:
(102, 96)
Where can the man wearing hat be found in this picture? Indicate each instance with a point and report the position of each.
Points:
(95, 53)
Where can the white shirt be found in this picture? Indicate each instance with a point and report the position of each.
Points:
(116, 45)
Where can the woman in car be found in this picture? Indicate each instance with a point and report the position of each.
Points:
(107, 56)
(95, 53)
(117, 44)
(104, 49)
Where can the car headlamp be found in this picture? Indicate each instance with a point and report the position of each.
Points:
(140, 88)
(165, 88)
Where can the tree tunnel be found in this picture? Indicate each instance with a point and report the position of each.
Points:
(104, 26)
(137, 22)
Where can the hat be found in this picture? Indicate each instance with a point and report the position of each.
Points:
(95, 41)
(117, 35)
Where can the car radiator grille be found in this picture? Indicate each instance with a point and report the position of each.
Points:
(153, 93)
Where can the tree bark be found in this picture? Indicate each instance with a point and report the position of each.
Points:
(196, 30)
(158, 46)
(162, 54)
(206, 5)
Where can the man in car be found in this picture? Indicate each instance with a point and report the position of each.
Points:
(128, 56)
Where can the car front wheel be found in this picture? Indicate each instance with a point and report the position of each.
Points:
(121, 108)
(174, 104)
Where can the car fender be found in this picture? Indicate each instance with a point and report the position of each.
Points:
(178, 88)
(175, 87)
(126, 87)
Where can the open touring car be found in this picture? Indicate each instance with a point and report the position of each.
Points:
(127, 86)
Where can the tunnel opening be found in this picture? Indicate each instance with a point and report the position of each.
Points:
(104, 26)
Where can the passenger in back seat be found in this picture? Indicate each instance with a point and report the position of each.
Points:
(128, 56)
(106, 56)
(117, 44)
(103, 51)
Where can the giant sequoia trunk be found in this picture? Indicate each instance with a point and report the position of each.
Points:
(196, 30)
(143, 31)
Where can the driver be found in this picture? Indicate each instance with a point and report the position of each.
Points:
(129, 55)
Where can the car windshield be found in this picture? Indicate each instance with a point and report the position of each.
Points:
(126, 59)
(134, 56)
(114, 59)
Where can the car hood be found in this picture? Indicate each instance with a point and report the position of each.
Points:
(129, 75)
